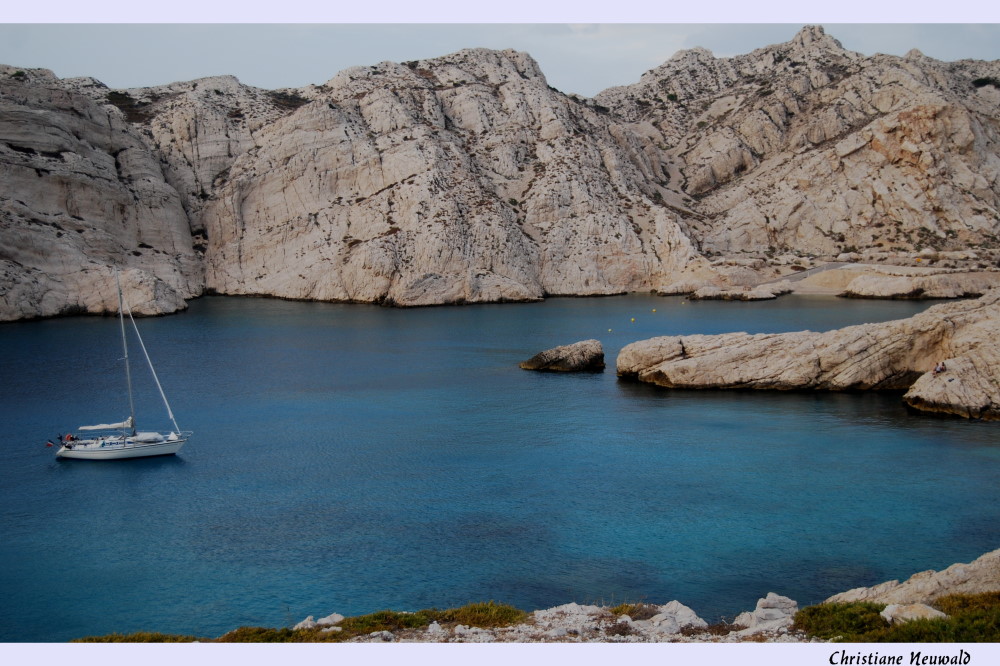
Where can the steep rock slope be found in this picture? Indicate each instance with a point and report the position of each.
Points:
(809, 148)
(458, 179)
(197, 128)
(466, 178)
(81, 192)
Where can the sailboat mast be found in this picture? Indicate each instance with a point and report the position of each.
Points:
(128, 373)
(152, 370)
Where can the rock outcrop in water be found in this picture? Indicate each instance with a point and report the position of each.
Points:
(585, 356)
(763, 292)
(895, 355)
(467, 178)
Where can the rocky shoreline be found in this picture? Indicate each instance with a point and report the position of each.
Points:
(467, 178)
(944, 358)
(770, 622)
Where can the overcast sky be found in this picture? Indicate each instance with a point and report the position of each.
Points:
(276, 48)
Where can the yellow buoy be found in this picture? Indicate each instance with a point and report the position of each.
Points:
(654, 309)
(633, 318)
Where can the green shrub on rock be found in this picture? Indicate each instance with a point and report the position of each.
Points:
(972, 618)
(850, 622)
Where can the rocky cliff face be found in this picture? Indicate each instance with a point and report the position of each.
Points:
(466, 178)
(461, 179)
(809, 148)
(79, 191)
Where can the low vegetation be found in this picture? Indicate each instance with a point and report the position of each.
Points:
(289, 101)
(483, 615)
(135, 110)
(986, 81)
(972, 618)
(637, 611)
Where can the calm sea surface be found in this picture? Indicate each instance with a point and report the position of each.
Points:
(355, 458)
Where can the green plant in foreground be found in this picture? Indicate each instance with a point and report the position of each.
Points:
(848, 622)
(972, 618)
(484, 615)
(956, 604)
(637, 611)
(383, 621)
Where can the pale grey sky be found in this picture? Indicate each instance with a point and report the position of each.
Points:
(582, 58)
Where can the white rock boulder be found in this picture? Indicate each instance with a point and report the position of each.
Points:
(584, 356)
(899, 613)
(772, 613)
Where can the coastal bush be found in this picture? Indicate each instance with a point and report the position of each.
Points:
(487, 615)
(134, 110)
(620, 629)
(721, 628)
(349, 628)
(258, 635)
(288, 101)
(851, 622)
(386, 620)
(638, 611)
(972, 618)
(957, 604)
(986, 81)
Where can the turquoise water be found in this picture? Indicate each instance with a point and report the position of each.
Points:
(355, 458)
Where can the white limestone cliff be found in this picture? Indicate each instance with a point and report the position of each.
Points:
(467, 178)
(82, 192)
(459, 179)
(807, 147)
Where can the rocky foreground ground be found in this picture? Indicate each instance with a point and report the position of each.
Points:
(770, 622)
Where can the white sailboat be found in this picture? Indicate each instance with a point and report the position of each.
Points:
(113, 441)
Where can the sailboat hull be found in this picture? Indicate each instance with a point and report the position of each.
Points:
(120, 450)
(119, 445)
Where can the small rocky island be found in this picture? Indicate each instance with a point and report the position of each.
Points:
(584, 356)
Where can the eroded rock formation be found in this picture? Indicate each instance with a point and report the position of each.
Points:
(807, 145)
(80, 191)
(897, 355)
(467, 178)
